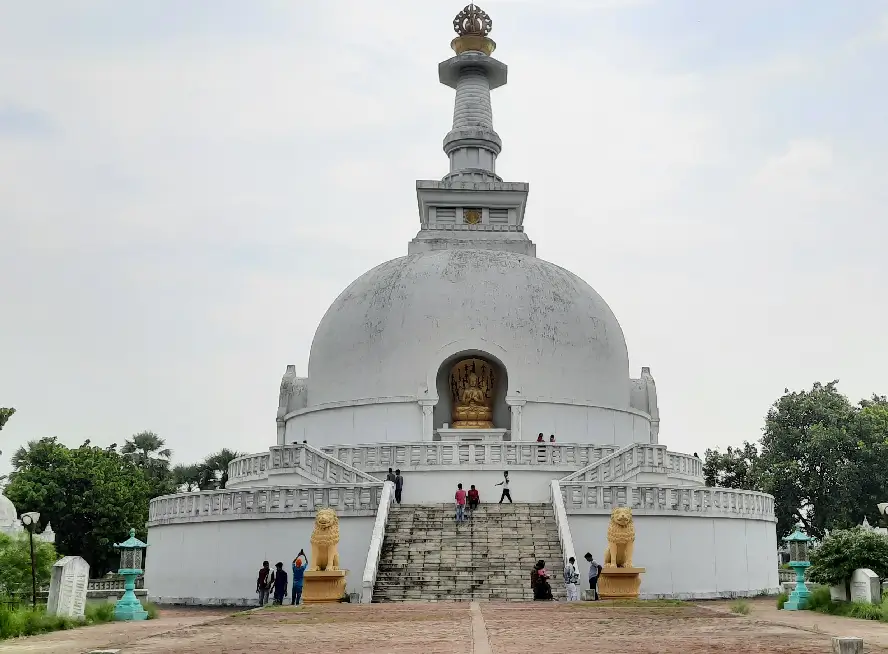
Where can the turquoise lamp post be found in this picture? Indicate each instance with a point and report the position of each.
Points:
(798, 561)
(128, 607)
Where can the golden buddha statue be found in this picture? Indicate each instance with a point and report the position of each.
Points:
(473, 410)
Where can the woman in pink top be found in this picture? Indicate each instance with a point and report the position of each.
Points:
(460, 503)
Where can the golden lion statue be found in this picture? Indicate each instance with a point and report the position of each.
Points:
(324, 541)
(620, 539)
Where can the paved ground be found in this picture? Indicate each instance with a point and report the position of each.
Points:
(463, 628)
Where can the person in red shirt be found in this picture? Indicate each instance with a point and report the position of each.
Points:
(460, 503)
(474, 498)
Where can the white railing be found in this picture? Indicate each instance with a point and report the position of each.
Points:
(564, 536)
(635, 458)
(596, 498)
(317, 465)
(435, 455)
(234, 504)
(375, 550)
(685, 465)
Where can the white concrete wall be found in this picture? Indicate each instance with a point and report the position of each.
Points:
(401, 421)
(218, 562)
(689, 557)
(351, 425)
(584, 424)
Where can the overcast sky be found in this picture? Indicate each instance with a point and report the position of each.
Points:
(185, 187)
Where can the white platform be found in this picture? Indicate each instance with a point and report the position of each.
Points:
(473, 435)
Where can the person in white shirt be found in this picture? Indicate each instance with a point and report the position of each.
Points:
(572, 580)
(505, 484)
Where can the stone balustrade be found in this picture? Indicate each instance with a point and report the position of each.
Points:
(638, 457)
(318, 466)
(368, 581)
(594, 498)
(268, 502)
(685, 465)
(440, 454)
(561, 521)
(112, 583)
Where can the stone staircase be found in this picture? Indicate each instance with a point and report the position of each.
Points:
(426, 556)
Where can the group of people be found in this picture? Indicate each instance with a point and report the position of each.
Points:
(396, 478)
(542, 589)
(541, 439)
(472, 498)
(276, 580)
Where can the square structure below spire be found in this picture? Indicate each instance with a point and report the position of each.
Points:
(472, 215)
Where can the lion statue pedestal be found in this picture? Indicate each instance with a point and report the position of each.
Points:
(619, 578)
(324, 582)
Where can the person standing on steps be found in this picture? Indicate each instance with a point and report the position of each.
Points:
(474, 498)
(572, 580)
(594, 573)
(391, 477)
(505, 484)
(399, 485)
(460, 498)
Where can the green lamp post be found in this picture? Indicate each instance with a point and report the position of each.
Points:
(798, 561)
(128, 607)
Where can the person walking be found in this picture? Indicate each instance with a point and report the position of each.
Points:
(572, 580)
(279, 581)
(460, 498)
(594, 573)
(505, 484)
(263, 583)
(300, 565)
(399, 485)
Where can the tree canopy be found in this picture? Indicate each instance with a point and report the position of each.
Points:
(92, 496)
(844, 551)
(821, 457)
(15, 564)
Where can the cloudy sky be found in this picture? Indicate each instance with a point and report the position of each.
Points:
(185, 187)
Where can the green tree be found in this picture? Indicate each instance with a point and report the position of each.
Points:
(5, 415)
(15, 564)
(216, 468)
(92, 496)
(187, 477)
(148, 451)
(738, 467)
(845, 550)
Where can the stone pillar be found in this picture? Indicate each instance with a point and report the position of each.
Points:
(428, 411)
(847, 645)
(516, 404)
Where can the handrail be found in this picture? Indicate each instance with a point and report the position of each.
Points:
(581, 473)
(564, 535)
(375, 551)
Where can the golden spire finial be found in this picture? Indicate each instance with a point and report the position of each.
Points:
(472, 25)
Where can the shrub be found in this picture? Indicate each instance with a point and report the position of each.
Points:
(839, 555)
(15, 564)
(151, 609)
(101, 612)
(741, 607)
(27, 621)
(819, 600)
(781, 600)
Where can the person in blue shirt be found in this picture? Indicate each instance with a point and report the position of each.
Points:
(300, 565)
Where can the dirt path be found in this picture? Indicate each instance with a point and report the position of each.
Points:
(463, 628)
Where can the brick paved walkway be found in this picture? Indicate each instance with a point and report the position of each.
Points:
(460, 628)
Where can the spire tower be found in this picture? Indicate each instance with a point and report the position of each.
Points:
(472, 207)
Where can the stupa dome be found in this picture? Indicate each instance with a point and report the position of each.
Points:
(8, 514)
(556, 337)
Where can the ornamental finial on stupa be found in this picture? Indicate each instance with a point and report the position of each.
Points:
(473, 25)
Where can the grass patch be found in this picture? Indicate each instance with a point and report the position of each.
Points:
(151, 609)
(781, 600)
(740, 607)
(821, 602)
(26, 621)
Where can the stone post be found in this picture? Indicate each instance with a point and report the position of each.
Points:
(847, 645)
(516, 404)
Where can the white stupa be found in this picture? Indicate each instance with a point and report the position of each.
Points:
(447, 363)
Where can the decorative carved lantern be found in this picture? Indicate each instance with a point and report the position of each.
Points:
(798, 561)
(131, 553)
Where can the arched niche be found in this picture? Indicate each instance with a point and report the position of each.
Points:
(443, 412)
